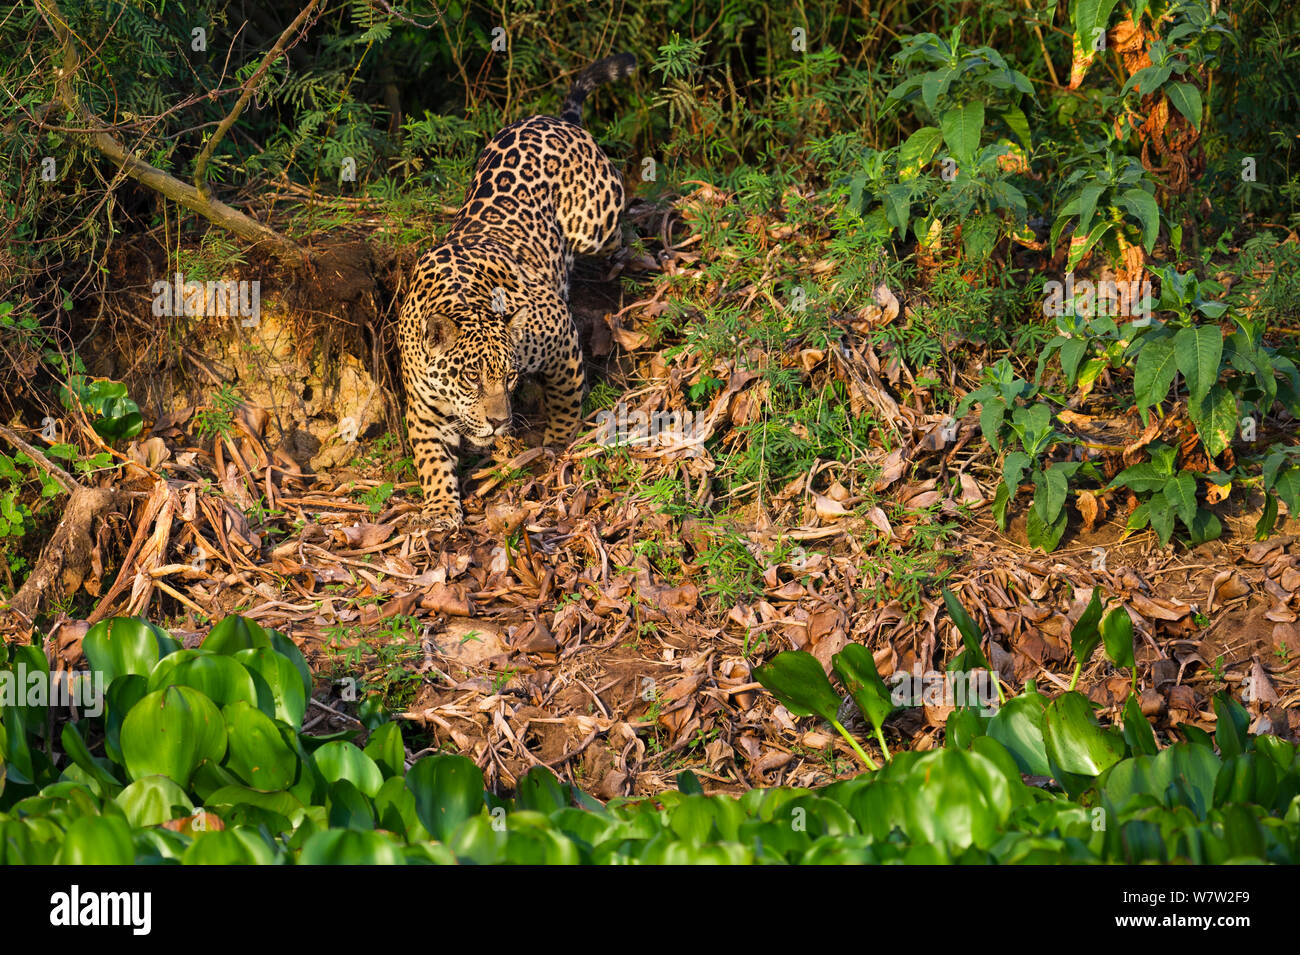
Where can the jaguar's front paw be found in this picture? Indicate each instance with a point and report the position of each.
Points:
(438, 517)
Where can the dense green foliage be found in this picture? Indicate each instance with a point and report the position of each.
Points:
(204, 760)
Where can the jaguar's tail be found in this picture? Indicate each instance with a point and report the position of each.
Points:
(603, 71)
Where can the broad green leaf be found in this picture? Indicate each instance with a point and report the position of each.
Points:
(1180, 492)
(898, 206)
(97, 840)
(1014, 467)
(121, 645)
(1054, 492)
(1117, 635)
(258, 755)
(1142, 206)
(962, 127)
(1074, 741)
(992, 414)
(448, 790)
(169, 732)
(970, 632)
(1018, 725)
(797, 679)
(1001, 498)
(342, 760)
(1215, 418)
(1087, 205)
(1187, 99)
(236, 633)
(1043, 535)
(1154, 373)
(1198, 351)
(1162, 517)
(1014, 117)
(917, 151)
(220, 678)
(153, 800)
(857, 669)
(1085, 635)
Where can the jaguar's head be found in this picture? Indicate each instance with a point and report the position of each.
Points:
(472, 357)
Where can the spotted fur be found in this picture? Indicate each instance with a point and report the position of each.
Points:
(492, 301)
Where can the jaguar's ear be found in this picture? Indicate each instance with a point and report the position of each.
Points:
(441, 330)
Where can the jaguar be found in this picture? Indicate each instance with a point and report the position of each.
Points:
(491, 301)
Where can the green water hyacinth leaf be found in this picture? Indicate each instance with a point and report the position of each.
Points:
(956, 798)
(161, 675)
(229, 847)
(258, 754)
(220, 678)
(1138, 734)
(153, 800)
(280, 803)
(348, 807)
(280, 690)
(284, 646)
(856, 668)
(538, 789)
(1085, 635)
(1074, 740)
(797, 679)
(236, 633)
(122, 696)
(1230, 731)
(1181, 775)
(97, 840)
(448, 790)
(386, 749)
(1018, 725)
(168, 733)
(1117, 635)
(343, 760)
(121, 645)
(76, 749)
(970, 632)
